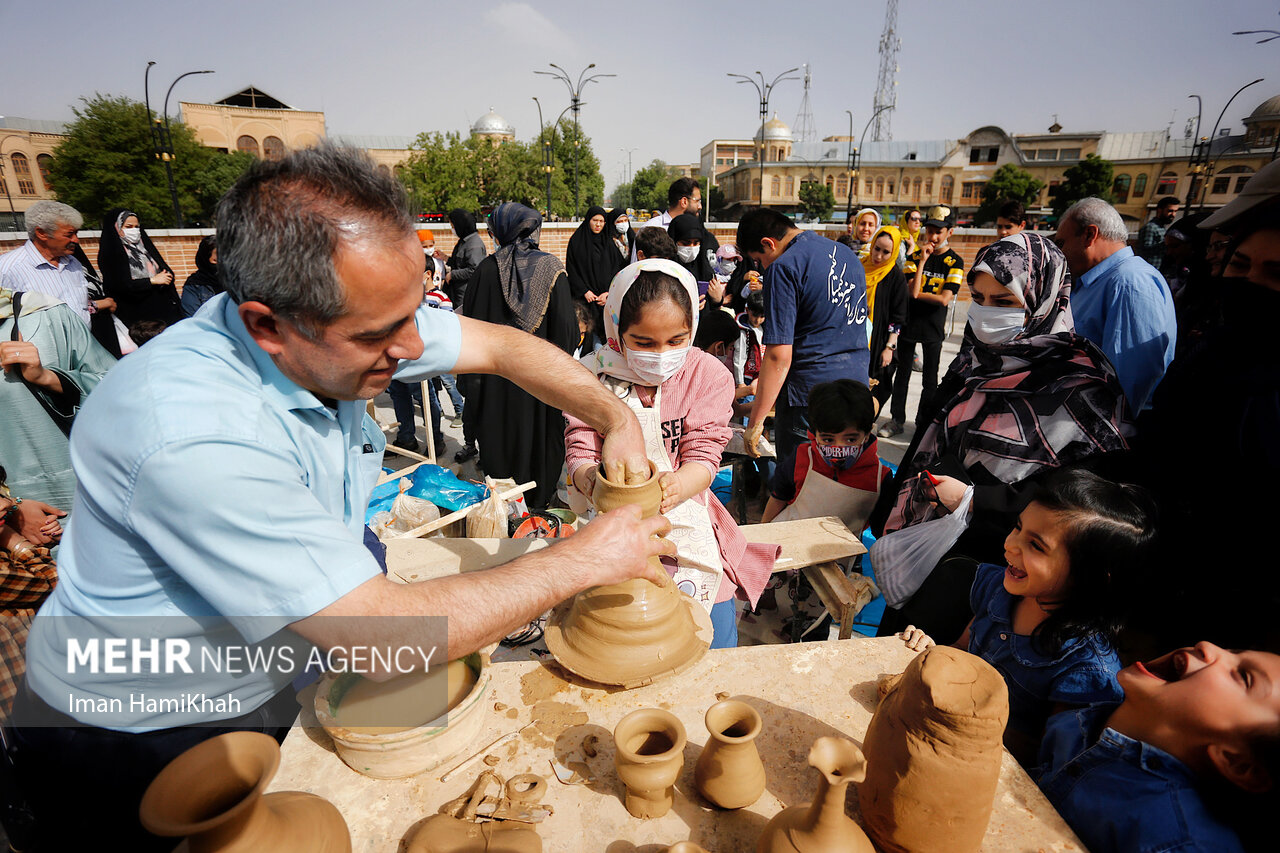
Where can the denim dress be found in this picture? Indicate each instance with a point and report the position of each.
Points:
(1121, 795)
(1081, 673)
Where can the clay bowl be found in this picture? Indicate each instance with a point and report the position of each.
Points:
(396, 755)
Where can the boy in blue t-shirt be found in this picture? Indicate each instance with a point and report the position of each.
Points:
(1150, 773)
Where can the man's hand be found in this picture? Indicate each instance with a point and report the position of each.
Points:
(623, 453)
(926, 251)
(617, 545)
(162, 278)
(37, 521)
(751, 440)
(24, 358)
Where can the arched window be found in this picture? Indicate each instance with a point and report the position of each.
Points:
(22, 171)
(1140, 185)
(869, 186)
(1242, 175)
(791, 187)
(272, 148)
(928, 187)
(915, 190)
(831, 183)
(755, 187)
(1120, 188)
(775, 186)
(42, 163)
(944, 192)
(889, 187)
(879, 189)
(247, 143)
(384, 169)
(1168, 183)
(842, 186)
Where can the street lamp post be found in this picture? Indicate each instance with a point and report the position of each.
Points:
(546, 155)
(848, 207)
(163, 146)
(631, 190)
(1200, 153)
(764, 90)
(857, 152)
(575, 103)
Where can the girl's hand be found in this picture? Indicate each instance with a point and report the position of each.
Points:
(584, 479)
(915, 639)
(671, 492)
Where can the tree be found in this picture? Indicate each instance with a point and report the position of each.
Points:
(648, 187)
(107, 161)
(1009, 183)
(816, 200)
(1090, 177)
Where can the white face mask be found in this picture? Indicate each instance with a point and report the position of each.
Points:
(996, 325)
(131, 235)
(687, 253)
(622, 225)
(654, 368)
(727, 267)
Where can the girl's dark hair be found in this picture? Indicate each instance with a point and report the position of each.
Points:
(1111, 530)
(584, 315)
(836, 406)
(652, 286)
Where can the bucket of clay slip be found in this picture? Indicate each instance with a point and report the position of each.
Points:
(396, 755)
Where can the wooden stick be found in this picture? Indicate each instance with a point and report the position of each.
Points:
(426, 408)
(445, 521)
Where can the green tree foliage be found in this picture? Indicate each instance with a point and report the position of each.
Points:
(1009, 183)
(446, 171)
(1090, 177)
(648, 187)
(107, 161)
(816, 200)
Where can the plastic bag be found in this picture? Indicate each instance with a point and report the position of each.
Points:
(406, 513)
(431, 483)
(489, 520)
(903, 559)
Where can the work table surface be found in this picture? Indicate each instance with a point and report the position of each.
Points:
(802, 692)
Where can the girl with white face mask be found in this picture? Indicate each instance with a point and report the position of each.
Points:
(683, 398)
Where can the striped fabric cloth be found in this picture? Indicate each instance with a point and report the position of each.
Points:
(25, 269)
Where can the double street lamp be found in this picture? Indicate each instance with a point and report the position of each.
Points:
(1198, 164)
(161, 139)
(575, 104)
(548, 161)
(764, 90)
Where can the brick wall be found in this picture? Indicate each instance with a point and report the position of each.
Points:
(178, 247)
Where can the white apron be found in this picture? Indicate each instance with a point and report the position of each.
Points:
(699, 570)
(820, 495)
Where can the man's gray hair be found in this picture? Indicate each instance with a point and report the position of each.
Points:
(1096, 212)
(48, 215)
(281, 224)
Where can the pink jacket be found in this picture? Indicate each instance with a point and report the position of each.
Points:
(696, 406)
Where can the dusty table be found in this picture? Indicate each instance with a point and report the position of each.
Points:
(801, 691)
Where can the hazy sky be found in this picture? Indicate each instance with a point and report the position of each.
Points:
(396, 67)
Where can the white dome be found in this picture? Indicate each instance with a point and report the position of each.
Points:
(775, 130)
(492, 124)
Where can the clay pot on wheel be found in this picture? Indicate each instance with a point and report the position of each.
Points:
(212, 795)
(822, 826)
(635, 632)
(649, 757)
(729, 772)
(685, 847)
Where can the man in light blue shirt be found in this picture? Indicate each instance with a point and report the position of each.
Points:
(224, 474)
(44, 264)
(1118, 301)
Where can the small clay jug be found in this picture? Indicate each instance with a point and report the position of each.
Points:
(729, 772)
(212, 795)
(649, 757)
(822, 826)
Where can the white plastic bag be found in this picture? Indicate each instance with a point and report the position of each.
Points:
(904, 558)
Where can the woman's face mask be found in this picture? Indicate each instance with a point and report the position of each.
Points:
(622, 225)
(996, 324)
(131, 235)
(687, 253)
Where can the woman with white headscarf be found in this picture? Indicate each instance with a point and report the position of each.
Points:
(133, 272)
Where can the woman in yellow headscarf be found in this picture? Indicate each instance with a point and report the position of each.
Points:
(887, 307)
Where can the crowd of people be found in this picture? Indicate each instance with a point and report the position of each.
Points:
(1056, 511)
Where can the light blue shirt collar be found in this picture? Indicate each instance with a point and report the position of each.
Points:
(288, 393)
(1104, 267)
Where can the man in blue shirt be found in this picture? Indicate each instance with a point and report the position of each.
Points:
(1118, 301)
(1136, 777)
(815, 300)
(224, 474)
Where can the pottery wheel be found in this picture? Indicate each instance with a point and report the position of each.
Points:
(626, 666)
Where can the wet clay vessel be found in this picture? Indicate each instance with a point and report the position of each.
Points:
(445, 834)
(933, 755)
(212, 794)
(729, 772)
(822, 826)
(630, 633)
(649, 757)
(685, 847)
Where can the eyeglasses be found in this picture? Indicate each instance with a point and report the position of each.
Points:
(1218, 245)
